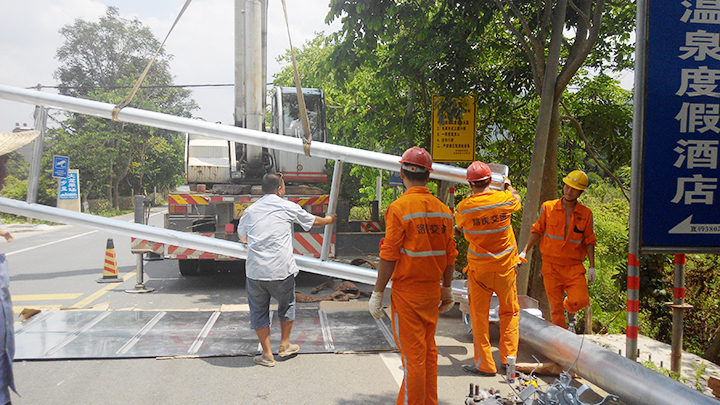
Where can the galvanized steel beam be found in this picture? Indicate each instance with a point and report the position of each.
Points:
(634, 383)
(219, 246)
(235, 134)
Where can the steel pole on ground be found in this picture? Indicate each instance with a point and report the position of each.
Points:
(639, 97)
(678, 307)
(332, 209)
(634, 383)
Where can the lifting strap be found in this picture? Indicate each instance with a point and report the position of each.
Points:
(135, 88)
(307, 139)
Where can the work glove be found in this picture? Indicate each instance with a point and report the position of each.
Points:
(375, 304)
(591, 275)
(447, 302)
(522, 256)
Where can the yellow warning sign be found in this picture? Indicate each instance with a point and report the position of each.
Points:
(453, 140)
(239, 209)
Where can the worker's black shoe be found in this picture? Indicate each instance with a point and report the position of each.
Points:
(471, 369)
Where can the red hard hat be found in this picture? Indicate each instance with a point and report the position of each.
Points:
(418, 157)
(478, 171)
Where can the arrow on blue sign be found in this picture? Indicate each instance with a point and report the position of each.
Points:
(686, 227)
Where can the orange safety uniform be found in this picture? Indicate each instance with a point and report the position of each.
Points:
(492, 257)
(419, 239)
(563, 251)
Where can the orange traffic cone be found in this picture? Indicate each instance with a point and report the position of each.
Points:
(110, 271)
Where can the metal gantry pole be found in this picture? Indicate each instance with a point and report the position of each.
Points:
(332, 209)
(634, 383)
(639, 97)
(242, 135)
(162, 235)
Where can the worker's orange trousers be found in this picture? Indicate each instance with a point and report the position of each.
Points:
(414, 320)
(481, 285)
(558, 279)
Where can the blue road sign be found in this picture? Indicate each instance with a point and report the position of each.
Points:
(680, 200)
(61, 165)
(69, 187)
(395, 179)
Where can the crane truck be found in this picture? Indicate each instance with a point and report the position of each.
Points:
(223, 177)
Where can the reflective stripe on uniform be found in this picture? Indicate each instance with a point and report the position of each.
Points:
(560, 238)
(503, 229)
(553, 236)
(504, 252)
(426, 215)
(488, 207)
(425, 253)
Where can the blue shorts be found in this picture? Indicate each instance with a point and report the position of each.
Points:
(259, 293)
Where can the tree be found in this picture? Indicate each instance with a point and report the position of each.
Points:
(509, 54)
(101, 61)
(557, 38)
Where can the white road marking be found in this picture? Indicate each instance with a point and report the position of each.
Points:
(394, 364)
(49, 243)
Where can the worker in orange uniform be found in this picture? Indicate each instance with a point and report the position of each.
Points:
(418, 253)
(484, 220)
(565, 232)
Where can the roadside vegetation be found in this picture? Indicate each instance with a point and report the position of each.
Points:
(379, 75)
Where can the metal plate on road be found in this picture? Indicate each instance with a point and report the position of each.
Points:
(138, 334)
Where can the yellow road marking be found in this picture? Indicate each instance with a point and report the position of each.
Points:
(101, 292)
(45, 297)
(19, 309)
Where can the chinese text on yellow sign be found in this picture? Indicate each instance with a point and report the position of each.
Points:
(453, 140)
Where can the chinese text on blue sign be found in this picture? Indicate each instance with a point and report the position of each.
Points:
(69, 187)
(680, 208)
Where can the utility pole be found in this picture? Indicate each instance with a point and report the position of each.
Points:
(36, 162)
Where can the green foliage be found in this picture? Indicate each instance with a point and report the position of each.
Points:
(699, 371)
(605, 111)
(101, 61)
(662, 370)
(105, 208)
(16, 183)
(702, 291)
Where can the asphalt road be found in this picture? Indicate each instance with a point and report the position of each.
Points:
(57, 267)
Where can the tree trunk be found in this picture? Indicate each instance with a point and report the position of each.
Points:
(542, 135)
(548, 192)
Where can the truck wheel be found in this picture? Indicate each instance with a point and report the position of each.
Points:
(206, 266)
(188, 267)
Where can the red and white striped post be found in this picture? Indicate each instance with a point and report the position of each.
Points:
(633, 305)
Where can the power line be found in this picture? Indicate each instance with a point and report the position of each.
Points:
(169, 86)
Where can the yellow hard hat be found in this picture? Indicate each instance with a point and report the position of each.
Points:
(576, 179)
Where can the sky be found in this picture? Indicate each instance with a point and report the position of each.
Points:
(202, 43)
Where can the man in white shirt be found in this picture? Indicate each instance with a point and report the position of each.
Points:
(270, 269)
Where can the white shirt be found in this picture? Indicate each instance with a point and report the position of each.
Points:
(268, 225)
